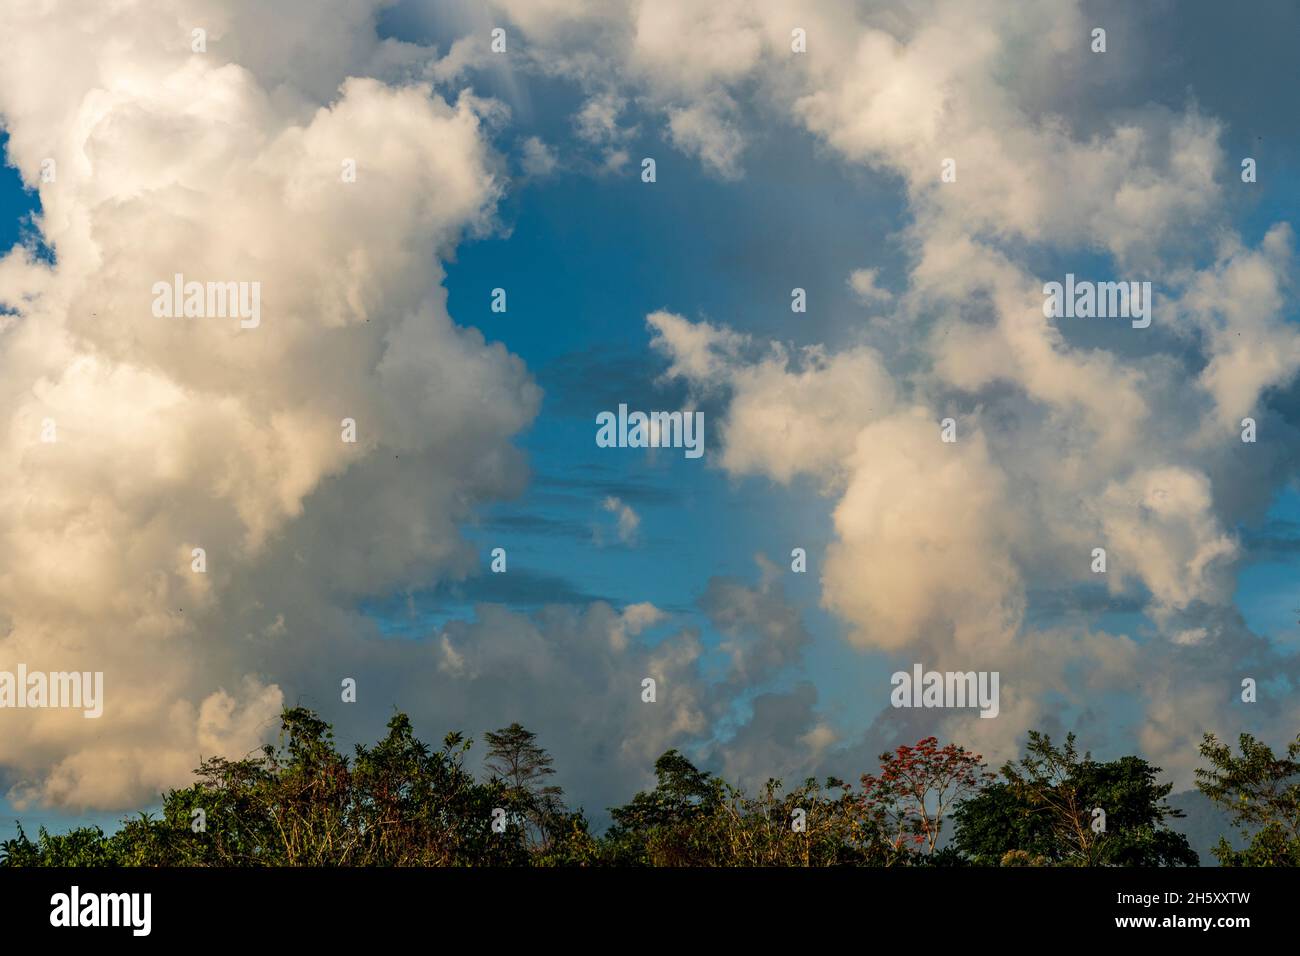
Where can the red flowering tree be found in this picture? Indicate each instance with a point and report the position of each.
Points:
(916, 786)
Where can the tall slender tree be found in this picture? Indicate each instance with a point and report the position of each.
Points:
(516, 759)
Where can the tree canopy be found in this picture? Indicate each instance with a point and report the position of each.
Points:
(400, 802)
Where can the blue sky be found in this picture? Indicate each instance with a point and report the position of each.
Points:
(585, 255)
(584, 262)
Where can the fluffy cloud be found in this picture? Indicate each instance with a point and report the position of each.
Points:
(538, 159)
(174, 434)
(1062, 447)
(628, 520)
(706, 130)
(575, 678)
(182, 433)
(864, 283)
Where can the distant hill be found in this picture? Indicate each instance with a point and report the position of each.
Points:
(1204, 824)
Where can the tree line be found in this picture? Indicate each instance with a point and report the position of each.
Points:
(402, 803)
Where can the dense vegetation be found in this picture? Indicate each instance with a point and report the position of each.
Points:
(400, 803)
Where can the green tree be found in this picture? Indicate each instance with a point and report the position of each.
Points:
(301, 803)
(515, 758)
(693, 818)
(672, 825)
(1261, 791)
(402, 803)
(83, 846)
(1044, 812)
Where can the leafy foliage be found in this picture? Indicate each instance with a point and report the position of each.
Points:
(515, 758)
(1261, 791)
(916, 787)
(304, 804)
(1042, 812)
(402, 803)
(693, 818)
